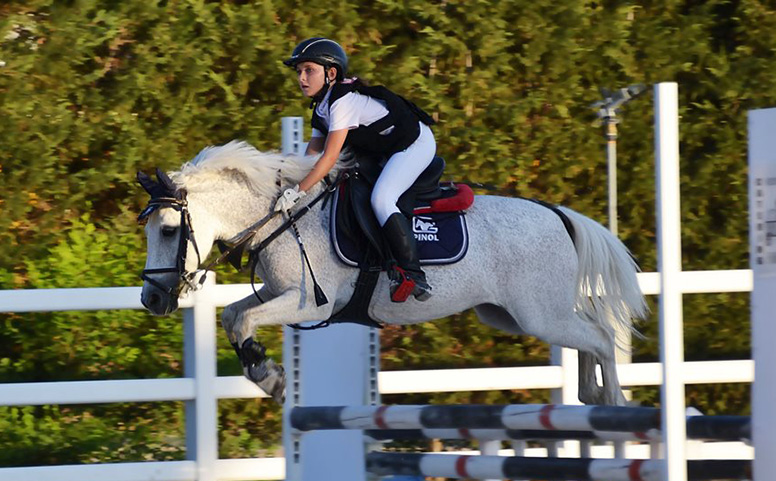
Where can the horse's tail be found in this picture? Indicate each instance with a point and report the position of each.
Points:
(608, 290)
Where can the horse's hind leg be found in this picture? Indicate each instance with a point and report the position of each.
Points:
(612, 391)
(498, 317)
(589, 390)
(596, 346)
(593, 341)
(598, 343)
(603, 353)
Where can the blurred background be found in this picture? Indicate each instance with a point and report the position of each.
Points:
(92, 91)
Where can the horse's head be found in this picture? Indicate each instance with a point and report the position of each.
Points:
(224, 189)
(173, 256)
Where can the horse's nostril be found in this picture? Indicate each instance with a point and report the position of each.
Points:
(154, 299)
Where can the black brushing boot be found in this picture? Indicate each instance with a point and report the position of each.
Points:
(408, 278)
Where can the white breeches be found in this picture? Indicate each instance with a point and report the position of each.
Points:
(401, 171)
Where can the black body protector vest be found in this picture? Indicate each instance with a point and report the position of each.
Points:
(386, 136)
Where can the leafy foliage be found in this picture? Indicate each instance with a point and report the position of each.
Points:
(94, 90)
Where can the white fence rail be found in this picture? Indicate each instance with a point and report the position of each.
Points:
(201, 387)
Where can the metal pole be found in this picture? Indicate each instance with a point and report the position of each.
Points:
(670, 267)
(607, 111)
(292, 136)
(611, 167)
(489, 447)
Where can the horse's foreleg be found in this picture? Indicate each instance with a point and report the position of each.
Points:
(268, 375)
(241, 319)
(232, 313)
(288, 308)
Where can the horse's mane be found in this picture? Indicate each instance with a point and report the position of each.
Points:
(260, 169)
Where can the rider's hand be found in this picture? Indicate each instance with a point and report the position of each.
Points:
(289, 198)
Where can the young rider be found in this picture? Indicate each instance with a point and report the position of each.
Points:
(347, 113)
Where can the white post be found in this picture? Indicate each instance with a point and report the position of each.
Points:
(568, 394)
(292, 136)
(326, 367)
(762, 255)
(333, 366)
(489, 447)
(670, 267)
(199, 362)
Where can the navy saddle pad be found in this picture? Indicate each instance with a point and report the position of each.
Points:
(442, 237)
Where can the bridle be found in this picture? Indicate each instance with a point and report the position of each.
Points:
(186, 280)
(235, 247)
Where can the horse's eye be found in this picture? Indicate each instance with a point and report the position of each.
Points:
(168, 230)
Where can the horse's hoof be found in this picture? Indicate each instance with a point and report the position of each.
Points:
(270, 377)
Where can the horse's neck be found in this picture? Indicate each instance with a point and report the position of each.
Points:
(237, 208)
(232, 208)
(283, 250)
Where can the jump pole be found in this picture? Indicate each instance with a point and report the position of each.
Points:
(552, 469)
(336, 365)
(520, 420)
(762, 259)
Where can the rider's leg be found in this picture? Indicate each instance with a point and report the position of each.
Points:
(404, 248)
(398, 175)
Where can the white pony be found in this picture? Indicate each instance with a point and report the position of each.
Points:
(522, 273)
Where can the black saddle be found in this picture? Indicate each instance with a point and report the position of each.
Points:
(355, 218)
(358, 240)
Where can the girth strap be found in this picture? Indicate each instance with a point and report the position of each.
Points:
(356, 311)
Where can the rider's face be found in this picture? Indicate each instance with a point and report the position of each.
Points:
(311, 77)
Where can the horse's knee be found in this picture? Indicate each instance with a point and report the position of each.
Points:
(229, 318)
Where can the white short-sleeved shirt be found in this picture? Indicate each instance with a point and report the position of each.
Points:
(349, 112)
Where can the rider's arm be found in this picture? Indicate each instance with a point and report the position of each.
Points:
(315, 146)
(331, 152)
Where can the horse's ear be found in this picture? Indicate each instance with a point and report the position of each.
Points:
(147, 182)
(166, 182)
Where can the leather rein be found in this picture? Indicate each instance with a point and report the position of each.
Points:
(187, 280)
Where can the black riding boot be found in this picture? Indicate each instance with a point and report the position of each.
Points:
(409, 278)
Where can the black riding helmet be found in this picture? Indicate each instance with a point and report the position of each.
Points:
(321, 51)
